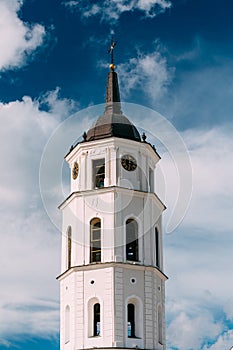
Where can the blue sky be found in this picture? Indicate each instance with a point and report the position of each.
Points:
(174, 57)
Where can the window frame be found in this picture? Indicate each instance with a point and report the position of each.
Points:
(131, 243)
(131, 320)
(98, 174)
(138, 319)
(91, 317)
(95, 250)
(96, 320)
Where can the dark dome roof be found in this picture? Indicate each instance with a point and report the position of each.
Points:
(113, 122)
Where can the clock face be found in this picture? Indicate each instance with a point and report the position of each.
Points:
(75, 170)
(128, 162)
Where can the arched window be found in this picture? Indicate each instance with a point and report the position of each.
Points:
(95, 240)
(157, 252)
(67, 324)
(96, 319)
(131, 240)
(160, 325)
(69, 247)
(131, 320)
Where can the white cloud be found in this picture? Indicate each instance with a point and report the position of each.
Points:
(30, 244)
(60, 108)
(186, 332)
(148, 73)
(211, 160)
(211, 156)
(17, 38)
(224, 341)
(110, 10)
(199, 289)
(29, 300)
(198, 254)
(24, 130)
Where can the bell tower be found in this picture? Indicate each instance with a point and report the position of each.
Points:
(112, 280)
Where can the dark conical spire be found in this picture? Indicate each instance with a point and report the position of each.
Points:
(113, 104)
(113, 123)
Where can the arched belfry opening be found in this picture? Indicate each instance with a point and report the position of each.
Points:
(132, 240)
(95, 240)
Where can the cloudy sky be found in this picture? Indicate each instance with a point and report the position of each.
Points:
(173, 57)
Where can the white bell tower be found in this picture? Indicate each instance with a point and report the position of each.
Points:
(112, 280)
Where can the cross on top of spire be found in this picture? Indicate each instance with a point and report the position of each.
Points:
(111, 52)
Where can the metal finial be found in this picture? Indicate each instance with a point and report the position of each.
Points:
(144, 137)
(84, 136)
(111, 51)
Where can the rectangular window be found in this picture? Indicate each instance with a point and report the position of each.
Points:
(98, 172)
